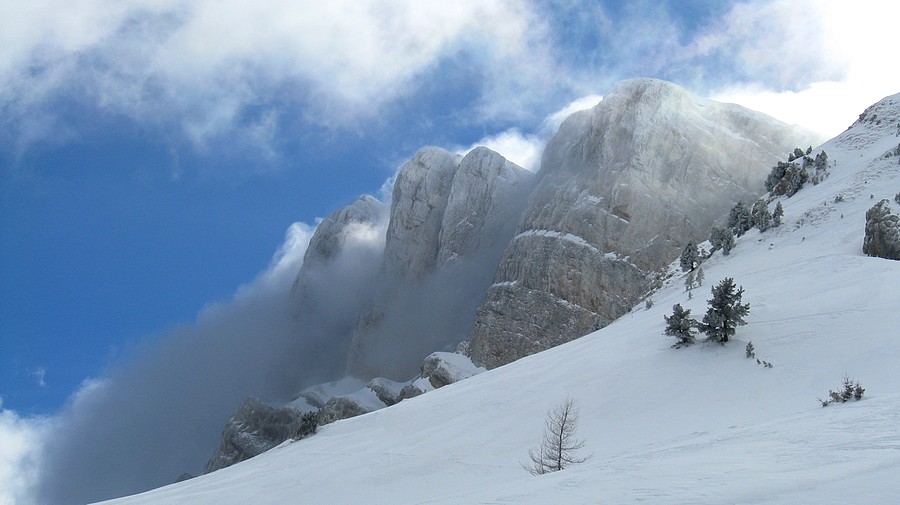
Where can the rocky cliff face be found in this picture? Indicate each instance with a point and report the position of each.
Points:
(252, 430)
(450, 218)
(622, 188)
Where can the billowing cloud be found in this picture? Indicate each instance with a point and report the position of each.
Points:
(157, 413)
(213, 67)
(21, 439)
(525, 149)
(830, 59)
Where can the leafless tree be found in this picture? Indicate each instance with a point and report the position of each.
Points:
(557, 450)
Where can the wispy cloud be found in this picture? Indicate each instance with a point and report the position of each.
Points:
(525, 149)
(40, 374)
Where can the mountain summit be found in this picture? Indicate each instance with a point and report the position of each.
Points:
(622, 188)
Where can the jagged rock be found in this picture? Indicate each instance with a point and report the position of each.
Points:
(388, 391)
(882, 232)
(622, 188)
(330, 237)
(341, 262)
(450, 219)
(341, 408)
(252, 430)
(443, 368)
(419, 199)
(183, 477)
(485, 198)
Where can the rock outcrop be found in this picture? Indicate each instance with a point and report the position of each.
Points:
(622, 188)
(419, 200)
(252, 430)
(450, 219)
(882, 238)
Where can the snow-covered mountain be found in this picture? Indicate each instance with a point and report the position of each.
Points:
(702, 424)
(477, 251)
(622, 188)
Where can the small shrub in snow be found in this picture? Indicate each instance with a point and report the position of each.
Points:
(848, 390)
(751, 351)
(557, 450)
(309, 422)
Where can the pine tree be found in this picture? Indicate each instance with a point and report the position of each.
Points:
(689, 281)
(725, 312)
(681, 325)
(721, 238)
(700, 276)
(762, 218)
(778, 214)
(740, 219)
(690, 258)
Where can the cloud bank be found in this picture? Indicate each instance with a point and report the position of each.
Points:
(216, 68)
(158, 413)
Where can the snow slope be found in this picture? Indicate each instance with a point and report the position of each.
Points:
(701, 425)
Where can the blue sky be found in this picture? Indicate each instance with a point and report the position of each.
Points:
(155, 154)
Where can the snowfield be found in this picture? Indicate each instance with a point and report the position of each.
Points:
(700, 425)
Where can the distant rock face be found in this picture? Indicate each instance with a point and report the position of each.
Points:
(882, 232)
(331, 235)
(418, 203)
(252, 430)
(622, 188)
(482, 208)
(450, 219)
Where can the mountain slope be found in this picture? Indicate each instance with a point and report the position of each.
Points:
(697, 425)
(622, 188)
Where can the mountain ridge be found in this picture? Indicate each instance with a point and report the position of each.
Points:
(702, 425)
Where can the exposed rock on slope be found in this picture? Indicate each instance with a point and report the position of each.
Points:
(622, 188)
(252, 430)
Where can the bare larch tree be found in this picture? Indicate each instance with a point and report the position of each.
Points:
(557, 450)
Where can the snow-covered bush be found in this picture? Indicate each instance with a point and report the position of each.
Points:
(309, 422)
(721, 238)
(681, 326)
(848, 390)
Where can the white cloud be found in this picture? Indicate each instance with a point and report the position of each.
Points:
(21, 440)
(552, 122)
(204, 64)
(838, 56)
(520, 148)
(526, 149)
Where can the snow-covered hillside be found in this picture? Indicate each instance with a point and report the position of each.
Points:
(702, 424)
